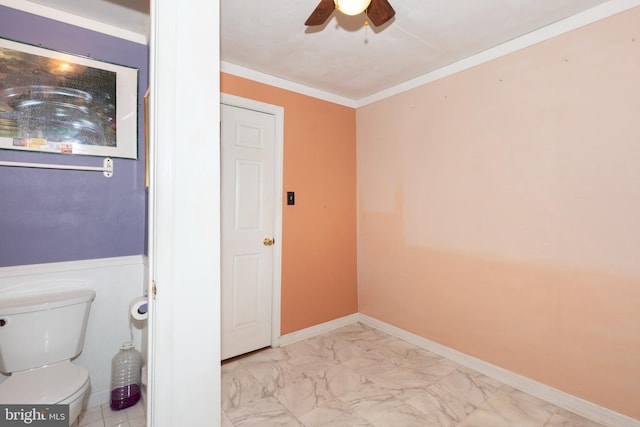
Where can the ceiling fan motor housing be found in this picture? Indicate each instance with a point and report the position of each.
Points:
(378, 11)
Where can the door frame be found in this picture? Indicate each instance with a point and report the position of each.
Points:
(278, 113)
(183, 385)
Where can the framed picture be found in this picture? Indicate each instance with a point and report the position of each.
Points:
(61, 103)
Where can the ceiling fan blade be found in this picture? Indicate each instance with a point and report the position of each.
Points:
(380, 11)
(323, 11)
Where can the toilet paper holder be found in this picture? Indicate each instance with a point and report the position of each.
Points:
(139, 308)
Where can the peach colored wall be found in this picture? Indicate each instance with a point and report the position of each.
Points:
(319, 281)
(499, 212)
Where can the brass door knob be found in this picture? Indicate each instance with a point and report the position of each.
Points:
(268, 241)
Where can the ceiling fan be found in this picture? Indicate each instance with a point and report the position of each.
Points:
(378, 11)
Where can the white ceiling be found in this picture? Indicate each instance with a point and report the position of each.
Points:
(343, 57)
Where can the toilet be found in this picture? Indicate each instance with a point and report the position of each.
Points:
(39, 335)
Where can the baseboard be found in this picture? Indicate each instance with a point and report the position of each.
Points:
(318, 329)
(559, 398)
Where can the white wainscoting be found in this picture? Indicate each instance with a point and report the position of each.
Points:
(116, 282)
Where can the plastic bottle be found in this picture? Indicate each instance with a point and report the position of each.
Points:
(125, 377)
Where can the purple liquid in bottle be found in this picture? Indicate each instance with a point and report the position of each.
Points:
(124, 397)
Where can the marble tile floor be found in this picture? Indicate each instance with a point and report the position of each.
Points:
(104, 416)
(358, 376)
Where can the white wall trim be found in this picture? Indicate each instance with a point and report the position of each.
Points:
(278, 113)
(322, 328)
(587, 17)
(78, 21)
(57, 267)
(559, 398)
(278, 82)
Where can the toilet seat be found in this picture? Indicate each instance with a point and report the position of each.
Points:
(59, 383)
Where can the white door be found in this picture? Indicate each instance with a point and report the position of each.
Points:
(248, 202)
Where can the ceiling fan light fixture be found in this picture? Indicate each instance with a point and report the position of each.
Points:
(352, 7)
(378, 11)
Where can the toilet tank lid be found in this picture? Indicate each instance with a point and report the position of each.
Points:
(45, 301)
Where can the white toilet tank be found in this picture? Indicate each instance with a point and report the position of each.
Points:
(39, 330)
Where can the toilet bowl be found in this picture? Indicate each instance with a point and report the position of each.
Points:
(39, 336)
(60, 384)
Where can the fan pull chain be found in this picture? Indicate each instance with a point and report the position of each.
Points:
(366, 32)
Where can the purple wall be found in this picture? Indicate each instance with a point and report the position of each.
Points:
(58, 215)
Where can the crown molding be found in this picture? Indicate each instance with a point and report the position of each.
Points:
(278, 82)
(78, 21)
(566, 25)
